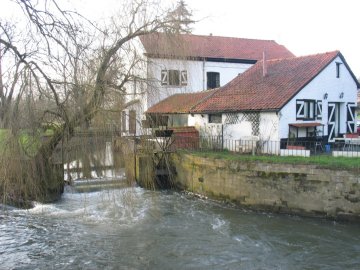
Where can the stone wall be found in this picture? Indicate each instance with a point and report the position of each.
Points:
(287, 188)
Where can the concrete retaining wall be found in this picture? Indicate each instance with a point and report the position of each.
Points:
(297, 189)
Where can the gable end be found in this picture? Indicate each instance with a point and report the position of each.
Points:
(310, 80)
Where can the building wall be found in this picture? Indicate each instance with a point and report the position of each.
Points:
(196, 73)
(240, 137)
(198, 121)
(294, 189)
(325, 83)
(228, 71)
(268, 126)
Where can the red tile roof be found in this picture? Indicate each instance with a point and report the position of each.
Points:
(180, 103)
(187, 45)
(253, 91)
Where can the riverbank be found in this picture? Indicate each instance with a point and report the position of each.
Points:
(301, 189)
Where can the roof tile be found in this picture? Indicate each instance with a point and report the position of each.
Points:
(188, 45)
(252, 90)
(180, 103)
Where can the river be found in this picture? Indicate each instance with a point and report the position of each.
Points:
(132, 228)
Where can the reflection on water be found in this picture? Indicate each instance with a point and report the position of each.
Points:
(132, 228)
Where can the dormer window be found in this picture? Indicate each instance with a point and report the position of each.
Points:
(338, 69)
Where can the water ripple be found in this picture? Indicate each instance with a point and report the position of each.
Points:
(137, 229)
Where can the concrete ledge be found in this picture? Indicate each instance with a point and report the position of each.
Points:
(293, 152)
(345, 154)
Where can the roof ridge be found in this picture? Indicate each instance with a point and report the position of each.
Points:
(301, 56)
(166, 45)
(215, 36)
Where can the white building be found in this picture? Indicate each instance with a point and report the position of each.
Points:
(189, 63)
(297, 97)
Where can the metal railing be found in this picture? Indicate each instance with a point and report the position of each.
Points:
(261, 147)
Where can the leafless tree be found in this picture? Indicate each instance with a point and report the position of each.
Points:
(65, 68)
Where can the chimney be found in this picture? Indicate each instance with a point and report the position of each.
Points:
(264, 64)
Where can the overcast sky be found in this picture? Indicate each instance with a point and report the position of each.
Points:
(303, 26)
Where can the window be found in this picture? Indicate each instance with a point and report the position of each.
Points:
(305, 109)
(174, 77)
(318, 111)
(338, 69)
(155, 121)
(123, 121)
(213, 80)
(215, 118)
(132, 121)
(178, 120)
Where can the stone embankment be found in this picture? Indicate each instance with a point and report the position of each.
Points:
(295, 189)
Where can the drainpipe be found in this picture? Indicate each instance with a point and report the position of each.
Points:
(222, 136)
(204, 88)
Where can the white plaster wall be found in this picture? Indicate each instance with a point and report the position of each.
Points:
(237, 131)
(325, 82)
(228, 71)
(196, 72)
(197, 120)
(269, 126)
(269, 133)
(233, 133)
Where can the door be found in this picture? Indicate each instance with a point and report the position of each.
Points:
(333, 120)
(350, 118)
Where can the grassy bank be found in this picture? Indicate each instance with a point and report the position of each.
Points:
(28, 140)
(323, 161)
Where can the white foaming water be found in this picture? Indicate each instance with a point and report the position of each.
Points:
(135, 229)
(220, 225)
(119, 206)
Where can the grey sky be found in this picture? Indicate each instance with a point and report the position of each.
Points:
(303, 26)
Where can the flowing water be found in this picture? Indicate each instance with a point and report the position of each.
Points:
(132, 228)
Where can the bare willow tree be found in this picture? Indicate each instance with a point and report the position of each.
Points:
(61, 69)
